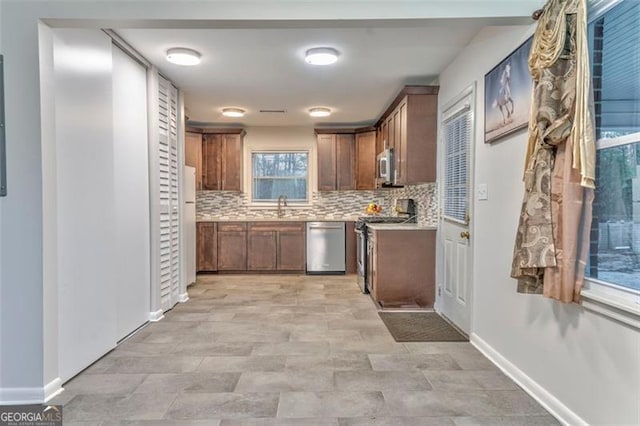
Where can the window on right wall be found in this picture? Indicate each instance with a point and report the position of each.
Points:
(614, 44)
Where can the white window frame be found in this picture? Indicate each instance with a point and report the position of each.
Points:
(270, 204)
(619, 303)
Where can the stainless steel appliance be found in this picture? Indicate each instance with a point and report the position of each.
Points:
(325, 248)
(385, 170)
(406, 210)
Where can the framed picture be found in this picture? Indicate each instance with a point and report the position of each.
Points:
(507, 94)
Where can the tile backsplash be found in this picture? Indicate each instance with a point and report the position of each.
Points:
(331, 205)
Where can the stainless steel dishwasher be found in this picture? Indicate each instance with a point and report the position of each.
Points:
(325, 248)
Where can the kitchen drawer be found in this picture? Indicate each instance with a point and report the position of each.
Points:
(232, 226)
(276, 226)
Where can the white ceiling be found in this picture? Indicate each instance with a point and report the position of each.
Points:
(264, 68)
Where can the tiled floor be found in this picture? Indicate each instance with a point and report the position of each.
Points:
(289, 350)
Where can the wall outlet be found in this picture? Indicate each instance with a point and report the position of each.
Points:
(483, 191)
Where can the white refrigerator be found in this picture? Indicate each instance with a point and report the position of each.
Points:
(189, 222)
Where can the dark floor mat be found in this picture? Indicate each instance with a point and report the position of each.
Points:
(420, 327)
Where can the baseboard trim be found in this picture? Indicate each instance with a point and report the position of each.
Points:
(156, 316)
(53, 389)
(552, 404)
(21, 396)
(183, 297)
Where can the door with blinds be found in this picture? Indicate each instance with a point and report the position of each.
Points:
(454, 278)
(168, 168)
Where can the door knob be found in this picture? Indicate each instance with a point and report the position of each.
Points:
(465, 234)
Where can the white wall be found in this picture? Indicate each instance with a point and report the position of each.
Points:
(583, 366)
(275, 138)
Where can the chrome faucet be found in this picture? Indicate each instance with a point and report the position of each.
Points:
(282, 202)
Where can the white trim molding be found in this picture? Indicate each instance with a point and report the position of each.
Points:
(24, 396)
(156, 315)
(183, 297)
(53, 389)
(552, 404)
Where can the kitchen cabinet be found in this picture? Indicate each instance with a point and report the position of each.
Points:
(336, 161)
(276, 246)
(207, 247)
(222, 161)
(193, 155)
(401, 266)
(232, 246)
(409, 127)
(366, 160)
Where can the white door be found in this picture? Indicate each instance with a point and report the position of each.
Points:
(169, 200)
(455, 269)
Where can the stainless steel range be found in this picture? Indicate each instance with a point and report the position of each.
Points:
(406, 210)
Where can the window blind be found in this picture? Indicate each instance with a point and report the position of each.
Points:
(457, 137)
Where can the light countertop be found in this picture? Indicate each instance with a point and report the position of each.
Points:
(278, 219)
(400, 227)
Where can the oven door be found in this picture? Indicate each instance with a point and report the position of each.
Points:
(361, 235)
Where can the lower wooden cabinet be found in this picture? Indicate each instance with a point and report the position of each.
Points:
(232, 246)
(401, 267)
(251, 247)
(206, 247)
(262, 249)
(291, 250)
(276, 246)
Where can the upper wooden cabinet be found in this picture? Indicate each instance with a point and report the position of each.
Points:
(222, 161)
(409, 127)
(193, 154)
(366, 160)
(336, 162)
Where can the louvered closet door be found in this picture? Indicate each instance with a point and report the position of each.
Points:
(169, 211)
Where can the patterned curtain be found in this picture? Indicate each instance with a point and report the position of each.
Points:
(553, 232)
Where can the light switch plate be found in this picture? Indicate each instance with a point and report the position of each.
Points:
(483, 191)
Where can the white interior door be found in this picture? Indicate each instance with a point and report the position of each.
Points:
(455, 269)
(131, 166)
(169, 198)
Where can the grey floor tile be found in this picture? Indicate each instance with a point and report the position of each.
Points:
(396, 421)
(439, 347)
(223, 405)
(208, 422)
(341, 362)
(154, 364)
(291, 348)
(289, 381)
(252, 336)
(280, 422)
(104, 383)
(461, 380)
(243, 363)
(367, 347)
(380, 380)
(400, 362)
(424, 404)
(205, 347)
(335, 336)
(143, 349)
(117, 407)
(507, 421)
(189, 382)
(331, 404)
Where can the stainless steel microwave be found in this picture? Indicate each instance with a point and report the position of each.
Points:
(385, 167)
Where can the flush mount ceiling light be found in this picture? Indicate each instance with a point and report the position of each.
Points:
(183, 56)
(321, 56)
(233, 112)
(320, 112)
